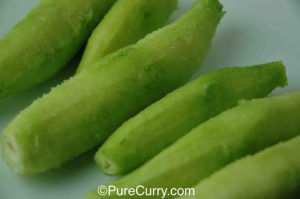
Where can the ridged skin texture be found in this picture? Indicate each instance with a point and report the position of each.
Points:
(126, 23)
(246, 129)
(45, 41)
(271, 174)
(83, 111)
(164, 122)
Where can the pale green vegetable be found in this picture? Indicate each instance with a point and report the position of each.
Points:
(240, 131)
(170, 118)
(82, 112)
(271, 174)
(45, 41)
(126, 23)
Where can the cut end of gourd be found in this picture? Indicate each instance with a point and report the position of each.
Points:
(11, 154)
(107, 165)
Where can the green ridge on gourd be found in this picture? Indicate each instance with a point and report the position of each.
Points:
(45, 41)
(125, 23)
(235, 133)
(162, 123)
(272, 173)
(82, 112)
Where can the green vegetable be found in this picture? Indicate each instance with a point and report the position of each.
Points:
(246, 129)
(45, 41)
(82, 112)
(272, 173)
(161, 124)
(126, 23)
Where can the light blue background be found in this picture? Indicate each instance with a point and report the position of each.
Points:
(251, 32)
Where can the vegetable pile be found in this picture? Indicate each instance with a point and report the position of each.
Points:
(132, 95)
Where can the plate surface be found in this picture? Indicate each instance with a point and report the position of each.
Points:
(251, 32)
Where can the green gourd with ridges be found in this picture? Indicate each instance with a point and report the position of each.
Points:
(246, 129)
(272, 173)
(125, 23)
(82, 112)
(161, 124)
(45, 41)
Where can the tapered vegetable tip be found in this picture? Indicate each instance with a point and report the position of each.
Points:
(127, 22)
(161, 124)
(243, 130)
(82, 112)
